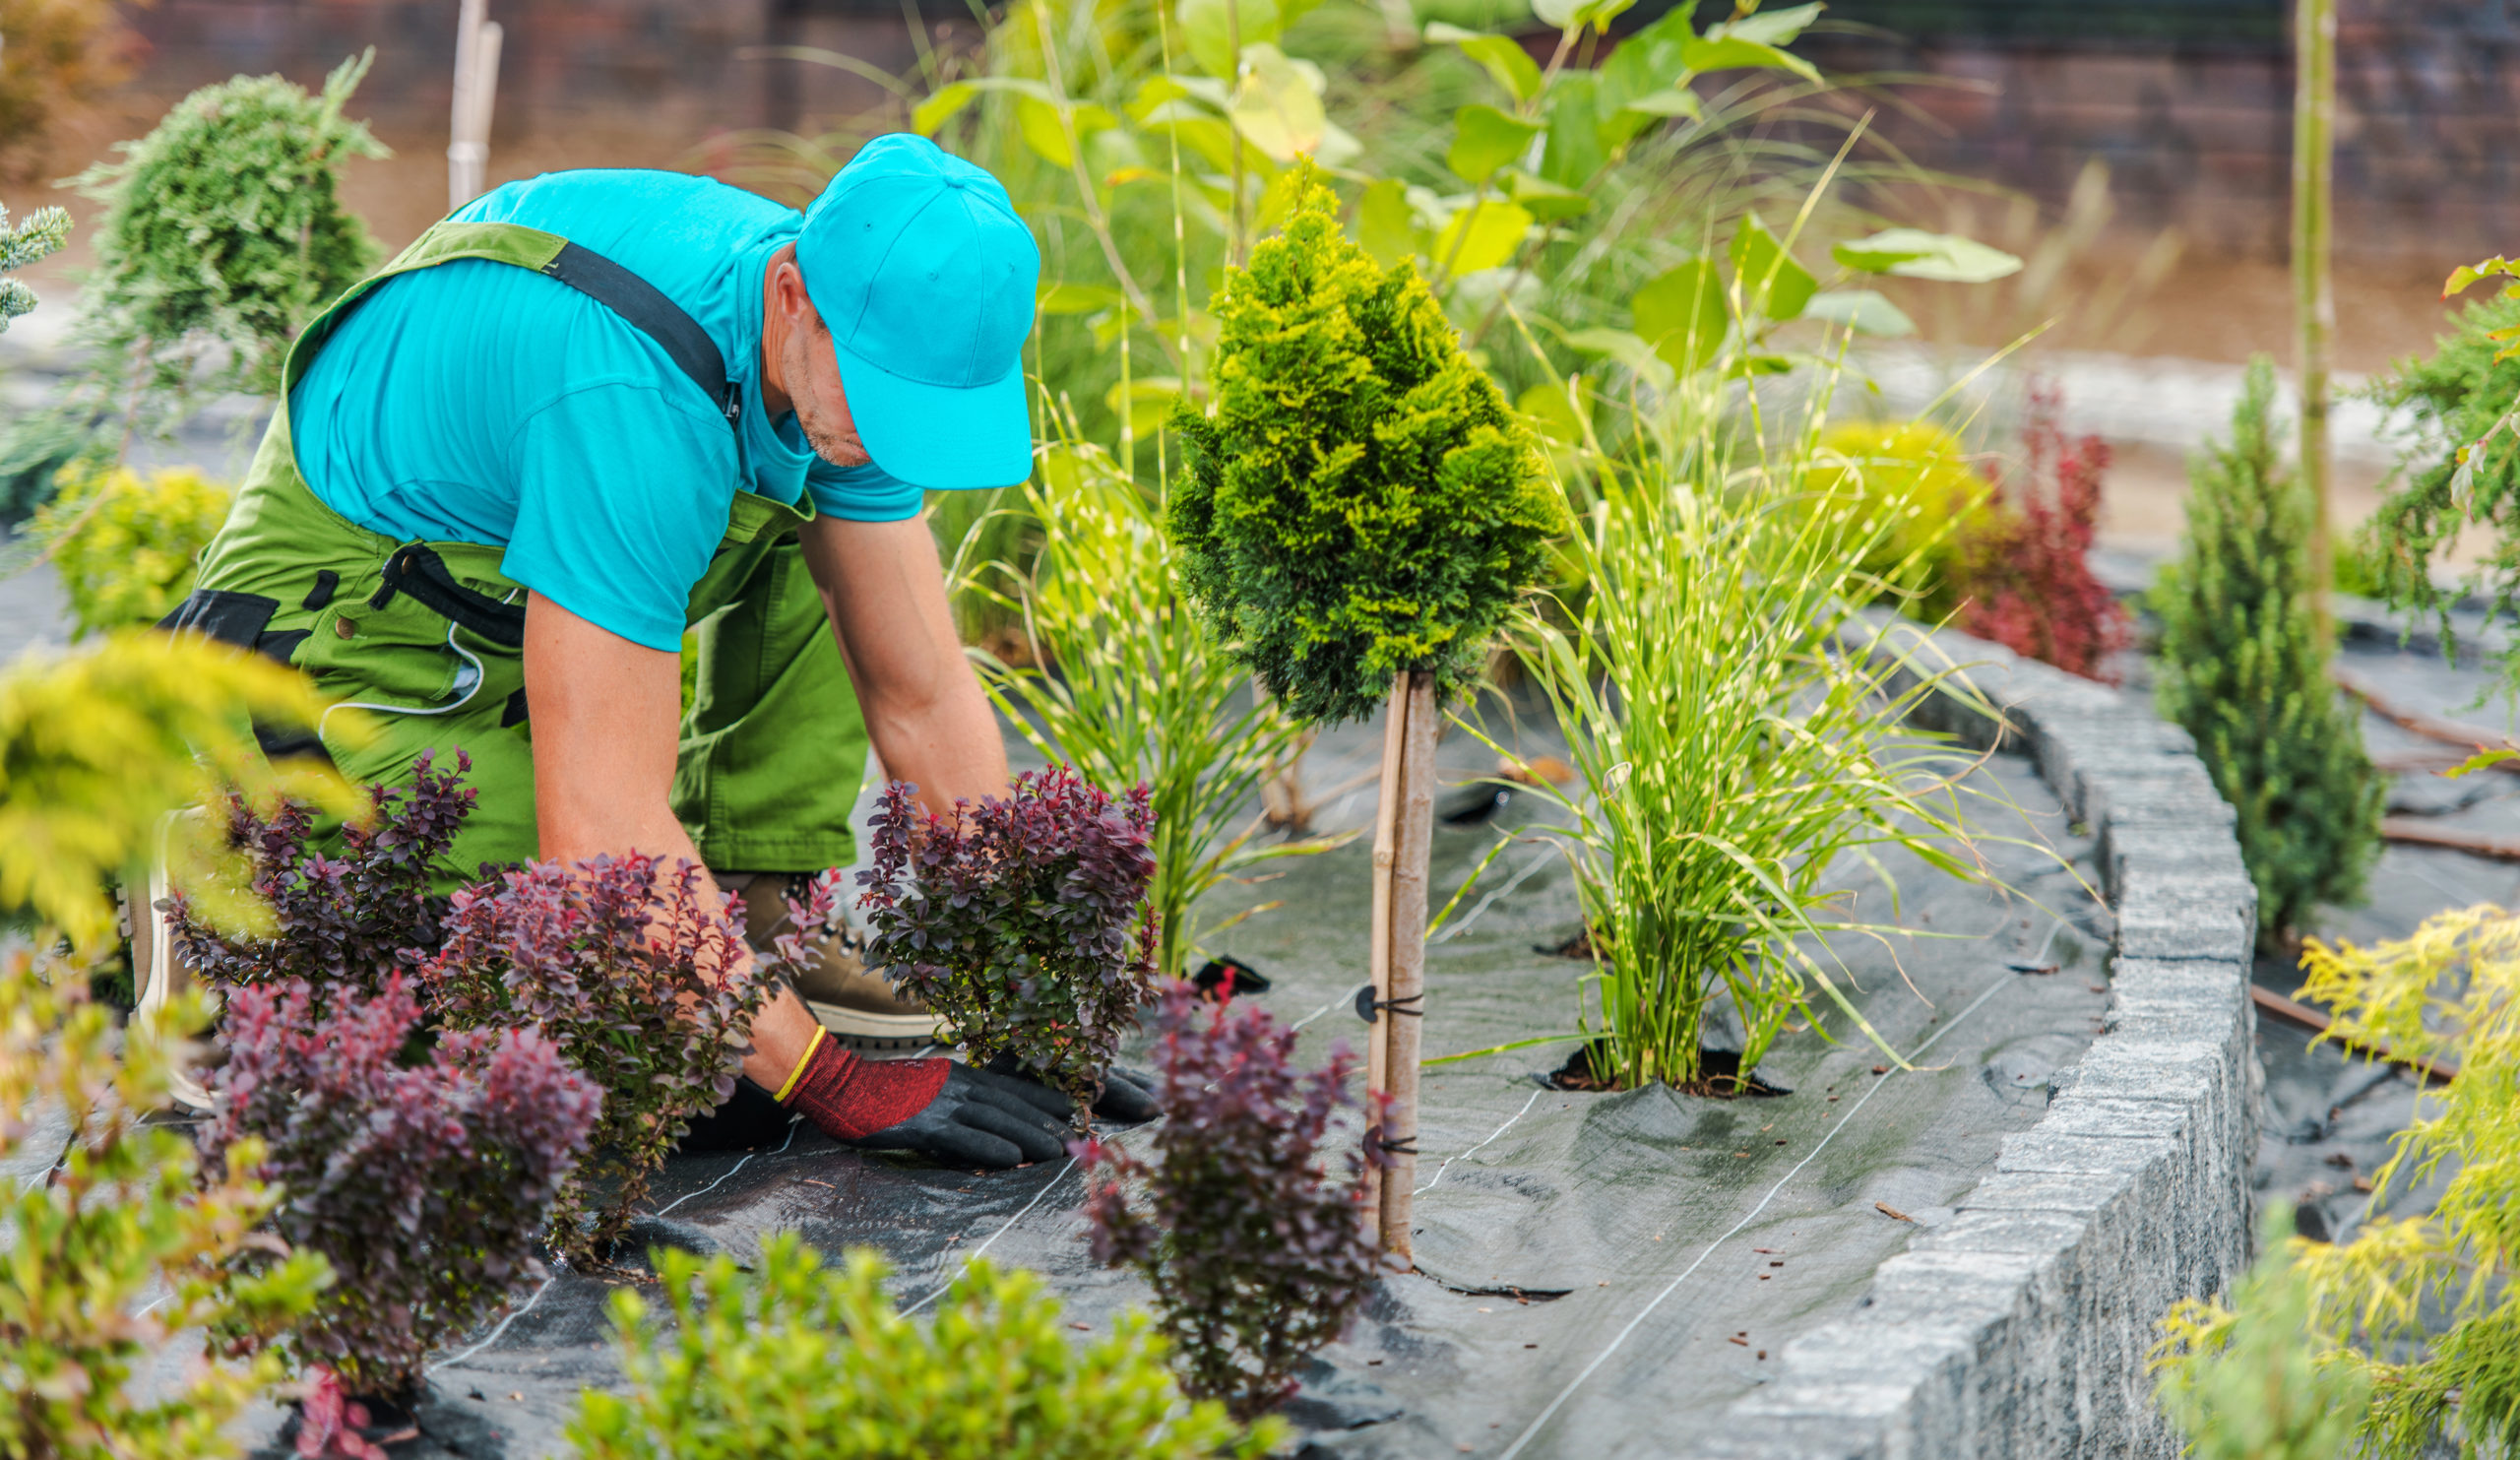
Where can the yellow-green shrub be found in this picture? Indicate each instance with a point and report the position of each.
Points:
(795, 1359)
(1915, 477)
(120, 1250)
(127, 545)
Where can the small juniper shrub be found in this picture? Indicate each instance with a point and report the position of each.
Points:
(426, 1185)
(341, 921)
(1257, 1250)
(791, 1358)
(1023, 920)
(2024, 572)
(639, 975)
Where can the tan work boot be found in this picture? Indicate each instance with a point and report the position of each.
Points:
(858, 1005)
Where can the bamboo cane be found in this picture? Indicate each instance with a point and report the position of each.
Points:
(477, 85)
(2313, 285)
(1411, 846)
(1386, 817)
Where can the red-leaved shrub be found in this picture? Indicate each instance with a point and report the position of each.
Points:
(2023, 565)
(1022, 921)
(341, 921)
(427, 1185)
(1258, 1253)
(637, 974)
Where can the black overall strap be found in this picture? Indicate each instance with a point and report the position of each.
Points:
(645, 306)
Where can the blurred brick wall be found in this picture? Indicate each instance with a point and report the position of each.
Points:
(2197, 132)
(2193, 114)
(618, 65)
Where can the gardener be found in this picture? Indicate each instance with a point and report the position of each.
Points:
(589, 410)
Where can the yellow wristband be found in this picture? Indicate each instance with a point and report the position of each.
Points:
(799, 1073)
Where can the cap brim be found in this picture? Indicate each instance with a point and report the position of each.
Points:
(937, 437)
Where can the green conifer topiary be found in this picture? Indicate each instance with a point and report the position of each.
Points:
(2244, 669)
(225, 224)
(1362, 501)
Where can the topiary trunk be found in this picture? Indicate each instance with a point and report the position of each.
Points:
(2244, 668)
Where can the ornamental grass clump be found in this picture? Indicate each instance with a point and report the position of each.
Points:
(1021, 920)
(2244, 669)
(1258, 1249)
(795, 1359)
(1362, 501)
(2413, 1325)
(639, 976)
(426, 1182)
(1740, 737)
(125, 1244)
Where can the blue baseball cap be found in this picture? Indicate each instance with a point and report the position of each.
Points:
(917, 263)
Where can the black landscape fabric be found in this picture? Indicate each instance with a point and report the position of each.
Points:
(1598, 1273)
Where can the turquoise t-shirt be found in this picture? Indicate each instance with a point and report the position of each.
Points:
(478, 402)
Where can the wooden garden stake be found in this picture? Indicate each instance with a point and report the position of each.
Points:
(1395, 724)
(477, 85)
(2313, 285)
(1411, 795)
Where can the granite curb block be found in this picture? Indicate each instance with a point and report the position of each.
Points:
(2019, 1326)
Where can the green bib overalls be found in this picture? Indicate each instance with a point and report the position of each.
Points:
(427, 637)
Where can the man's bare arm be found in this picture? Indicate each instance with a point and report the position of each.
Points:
(885, 592)
(606, 719)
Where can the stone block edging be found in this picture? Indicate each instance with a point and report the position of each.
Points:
(2018, 1329)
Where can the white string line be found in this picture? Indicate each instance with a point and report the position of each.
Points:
(495, 1333)
(792, 1122)
(1344, 998)
(1848, 1118)
(1482, 1145)
(1535, 864)
(975, 1253)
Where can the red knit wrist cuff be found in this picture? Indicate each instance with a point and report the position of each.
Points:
(850, 1098)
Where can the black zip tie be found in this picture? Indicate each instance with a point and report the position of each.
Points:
(1404, 1146)
(1366, 1004)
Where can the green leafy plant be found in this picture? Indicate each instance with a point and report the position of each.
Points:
(1124, 683)
(22, 243)
(793, 1358)
(1914, 480)
(2248, 1387)
(123, 1245)
(1361, 503)
(2460, 465)
(127, 545)
(2418, 1314)
(2243, 667)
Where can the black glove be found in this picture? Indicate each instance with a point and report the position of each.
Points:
(1127, 1098)
(959, 1114)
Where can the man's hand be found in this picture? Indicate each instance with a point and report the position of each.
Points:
(885, 592)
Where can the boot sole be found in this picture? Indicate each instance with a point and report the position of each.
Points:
(859, 1029)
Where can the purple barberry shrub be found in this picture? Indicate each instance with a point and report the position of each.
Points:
(426, 1186)
(1258, 1250)
(343, 921)
(641, 978)
(1022, 921)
